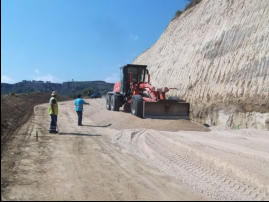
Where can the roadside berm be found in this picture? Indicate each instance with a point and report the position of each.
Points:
(117, 156)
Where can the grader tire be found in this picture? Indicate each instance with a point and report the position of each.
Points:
(137, 106)
(108, 101)
(115, 105)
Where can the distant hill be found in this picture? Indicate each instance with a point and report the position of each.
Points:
(70, 89)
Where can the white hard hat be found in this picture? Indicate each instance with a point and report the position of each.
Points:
(53, 93)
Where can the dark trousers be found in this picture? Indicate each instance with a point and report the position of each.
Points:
(79, 117)
(53, 122)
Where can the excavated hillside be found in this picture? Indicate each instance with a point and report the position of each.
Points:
(217, 55)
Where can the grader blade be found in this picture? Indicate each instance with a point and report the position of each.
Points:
(166, 109)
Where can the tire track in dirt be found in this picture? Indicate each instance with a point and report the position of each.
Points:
(204, 180)
(182, 163)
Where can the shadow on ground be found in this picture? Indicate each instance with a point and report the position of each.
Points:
(99, 125)
(79, 134)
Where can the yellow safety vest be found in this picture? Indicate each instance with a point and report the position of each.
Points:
(55, 106)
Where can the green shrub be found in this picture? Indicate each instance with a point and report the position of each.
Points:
(178, 13)
(188, 6)
(191, 4)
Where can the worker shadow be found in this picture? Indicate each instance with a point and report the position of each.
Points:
(102, 126)
(79, 134)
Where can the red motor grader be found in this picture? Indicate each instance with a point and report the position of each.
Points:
(135, 93)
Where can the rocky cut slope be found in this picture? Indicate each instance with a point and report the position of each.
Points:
(217, 55)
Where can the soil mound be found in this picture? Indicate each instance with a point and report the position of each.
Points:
(16, 109)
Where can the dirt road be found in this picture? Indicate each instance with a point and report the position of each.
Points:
(116, 156)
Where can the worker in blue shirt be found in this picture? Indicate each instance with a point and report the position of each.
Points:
(79, 102)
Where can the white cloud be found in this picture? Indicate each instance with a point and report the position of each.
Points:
(37, 71)
(113, 78)
(6, 79)
(134, 37)
(47, 77)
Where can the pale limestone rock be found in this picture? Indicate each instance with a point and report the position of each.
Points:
(217, 55)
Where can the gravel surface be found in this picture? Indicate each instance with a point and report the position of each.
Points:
(116, 156)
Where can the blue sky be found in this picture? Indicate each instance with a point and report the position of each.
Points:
(84, 40)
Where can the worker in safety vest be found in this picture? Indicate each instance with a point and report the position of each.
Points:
(53, 112)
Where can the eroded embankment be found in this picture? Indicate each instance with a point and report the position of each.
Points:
(216, 54)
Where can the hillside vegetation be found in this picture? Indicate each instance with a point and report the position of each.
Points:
(190, 4)
(70, 89)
